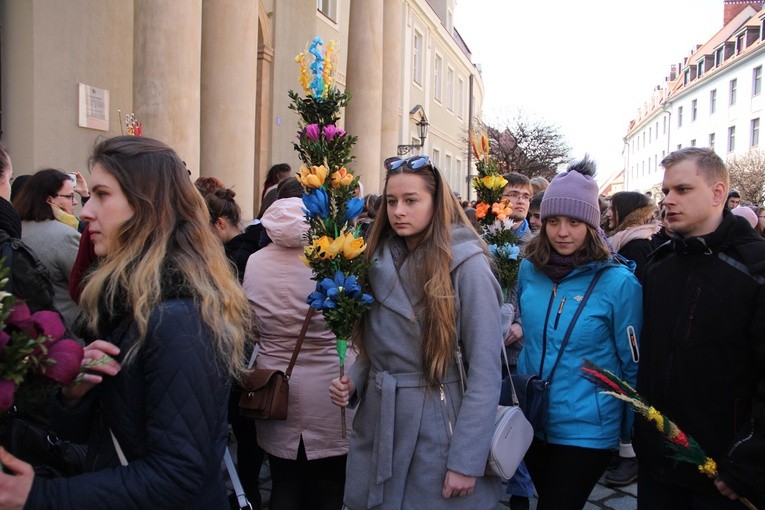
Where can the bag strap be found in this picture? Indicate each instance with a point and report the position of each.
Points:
(299, 342)
(463, 374)
(574, 319)
(118, 449)
(241, 497)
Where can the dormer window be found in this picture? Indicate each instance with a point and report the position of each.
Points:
(719, 56)
(762, 29)
(687, 76)
(739, 43)
(700, 68)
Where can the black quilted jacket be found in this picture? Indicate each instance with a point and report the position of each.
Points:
(168, 410)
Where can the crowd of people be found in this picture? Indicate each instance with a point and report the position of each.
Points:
(174, 295)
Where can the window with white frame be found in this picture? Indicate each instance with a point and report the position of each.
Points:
(664, 124)
(460, 97)
(762, 29)
(732, 85)
(712, 101)
(731, 138)
(417, 57)
(449, 88)
(448, 168)
(694, 109)
(327, 8)
(650, 134)
(757, 81)
(754, 133)
(719, 56)
(693, 143)
(739, 43)
(436, 157)
(711, 141)
(679, 116)
(699, 68)
(438, 65)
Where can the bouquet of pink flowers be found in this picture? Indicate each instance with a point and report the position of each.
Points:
(34, 355)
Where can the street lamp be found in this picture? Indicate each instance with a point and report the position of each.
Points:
(422, 126)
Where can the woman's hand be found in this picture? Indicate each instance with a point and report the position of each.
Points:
(725, 490)
(457, 485)
(514, 334)
(81, 186)
(96, 363)
(340, 390)
(14, 487)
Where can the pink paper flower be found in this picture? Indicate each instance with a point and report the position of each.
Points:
(312, 132)
(331, 131)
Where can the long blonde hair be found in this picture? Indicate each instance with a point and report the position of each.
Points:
(170, 225)
(433, 258)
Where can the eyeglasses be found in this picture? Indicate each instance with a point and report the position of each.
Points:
(414, 163)
(68, 197)
(514, 196)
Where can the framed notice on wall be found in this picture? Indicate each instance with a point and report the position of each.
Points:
(93, 107)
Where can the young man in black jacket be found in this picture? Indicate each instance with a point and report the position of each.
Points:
(703, 344)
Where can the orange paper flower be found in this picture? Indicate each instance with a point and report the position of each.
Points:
(481, 209)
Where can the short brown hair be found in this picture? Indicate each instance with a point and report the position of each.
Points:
(515, 180)
(710, 166)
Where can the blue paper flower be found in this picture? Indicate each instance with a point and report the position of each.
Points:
(317, 203)
(353, 208)
(329, 290)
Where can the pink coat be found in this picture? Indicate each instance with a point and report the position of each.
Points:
(277, 283)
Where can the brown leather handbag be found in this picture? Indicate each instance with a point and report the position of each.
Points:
(266, 390)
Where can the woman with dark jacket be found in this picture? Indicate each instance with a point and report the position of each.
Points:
(632, 225)
(152, 404)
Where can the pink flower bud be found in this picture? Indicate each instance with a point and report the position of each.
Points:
(67, 357)
(7, 389)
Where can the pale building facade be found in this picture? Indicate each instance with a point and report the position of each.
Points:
(713, 99)
(210, 78)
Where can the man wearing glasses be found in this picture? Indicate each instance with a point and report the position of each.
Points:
(518, 192)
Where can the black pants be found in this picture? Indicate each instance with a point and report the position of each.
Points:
(304, 484)
(564, 475)
(654, 495)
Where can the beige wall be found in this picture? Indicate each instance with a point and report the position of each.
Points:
(48, 48)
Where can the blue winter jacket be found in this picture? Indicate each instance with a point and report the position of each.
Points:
(610, 322)
(168, 410)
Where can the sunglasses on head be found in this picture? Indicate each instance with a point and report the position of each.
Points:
(414, 163)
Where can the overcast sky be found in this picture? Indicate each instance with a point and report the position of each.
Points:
(583, 65)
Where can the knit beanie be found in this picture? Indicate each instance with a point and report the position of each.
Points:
(574, 193)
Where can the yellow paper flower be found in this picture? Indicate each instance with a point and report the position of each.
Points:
(656, 417)
(709, 467)
(313, 177)
(326, 248)
(305, 74)
(494, 181)
(353, 246)
(326, 74)
(341, 178)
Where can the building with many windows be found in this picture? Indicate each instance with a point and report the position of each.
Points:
(712, 99)
(210, 78)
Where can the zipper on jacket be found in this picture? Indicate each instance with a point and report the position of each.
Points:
(544, 330)
(449, 427)
(560, 310)
(694, 303)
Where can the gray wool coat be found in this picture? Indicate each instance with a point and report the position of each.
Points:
(402, 441)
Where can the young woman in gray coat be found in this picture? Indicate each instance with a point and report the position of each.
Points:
(417, 441)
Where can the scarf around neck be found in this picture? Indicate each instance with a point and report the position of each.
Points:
(559, 266)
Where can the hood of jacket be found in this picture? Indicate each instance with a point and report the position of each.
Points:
(285, 224)
(465, 244)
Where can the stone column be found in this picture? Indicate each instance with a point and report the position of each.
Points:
(166, 76)
(365, 82)
(263, 138)
(229, 89)
(393, 27)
